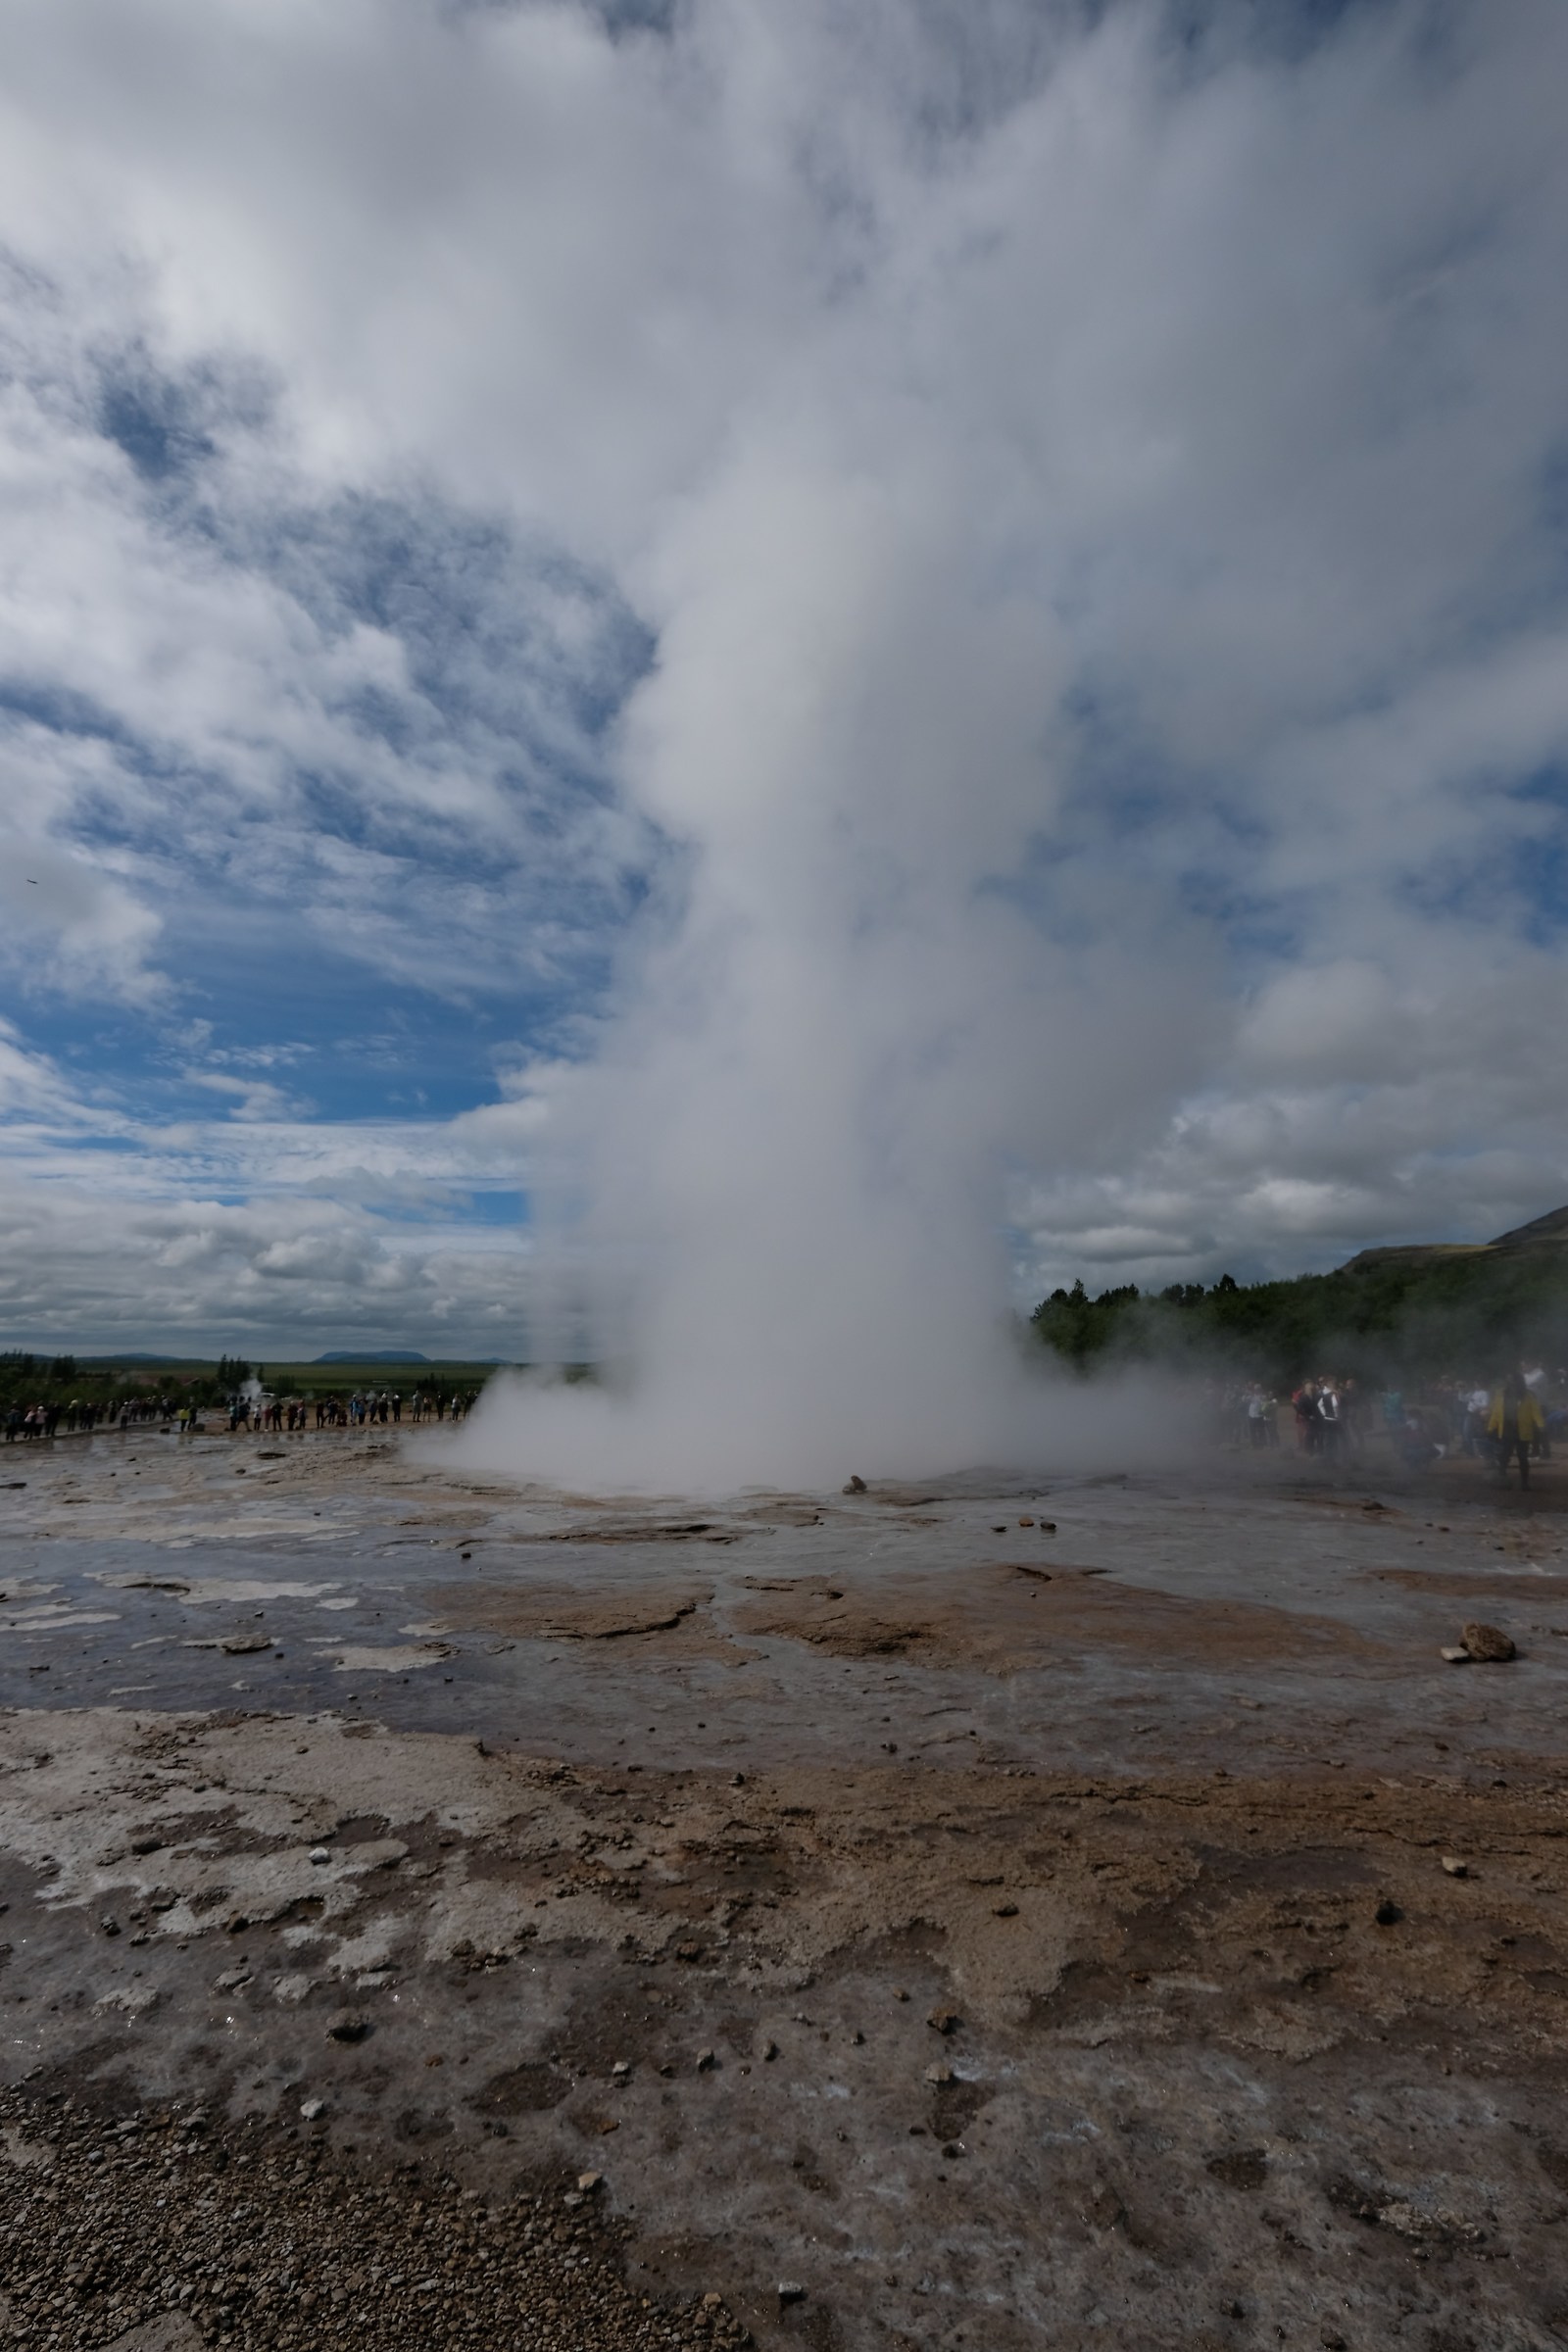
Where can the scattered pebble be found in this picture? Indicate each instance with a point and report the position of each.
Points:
(168, 2238)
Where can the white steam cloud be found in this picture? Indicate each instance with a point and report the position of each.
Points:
(1031, 445)
(792, 1153)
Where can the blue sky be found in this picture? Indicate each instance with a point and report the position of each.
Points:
(649, 607)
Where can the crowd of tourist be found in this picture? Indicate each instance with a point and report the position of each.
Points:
(52, 1419)
(1503, 1422)
(363, 1410)
(255, 1412)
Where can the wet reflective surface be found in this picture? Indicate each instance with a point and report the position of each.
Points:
(1151, 1785)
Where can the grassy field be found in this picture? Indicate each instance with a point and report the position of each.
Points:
(399, 1379)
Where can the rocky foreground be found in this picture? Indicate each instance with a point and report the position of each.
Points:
(1085, 1918)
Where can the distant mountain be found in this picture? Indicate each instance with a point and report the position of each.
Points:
(1547, 1232)
(1552, 1227)
(373, 1355)
(1464, 1310)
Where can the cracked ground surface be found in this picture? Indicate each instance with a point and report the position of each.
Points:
(1005, 1913)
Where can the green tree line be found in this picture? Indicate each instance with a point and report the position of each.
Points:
(1471, 1314)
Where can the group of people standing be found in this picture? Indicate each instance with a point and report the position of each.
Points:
(52, 1420)
(1510, 1421)
(363, 1410)
(263, 1414)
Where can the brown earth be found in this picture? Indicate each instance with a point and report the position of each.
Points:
(1159, 1946)
(1004, 1617)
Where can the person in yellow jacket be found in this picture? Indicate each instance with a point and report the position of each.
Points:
(1515, 1420)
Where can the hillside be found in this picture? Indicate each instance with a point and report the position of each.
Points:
(1417, 1312)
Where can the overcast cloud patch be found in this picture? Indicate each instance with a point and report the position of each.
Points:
(500, 502)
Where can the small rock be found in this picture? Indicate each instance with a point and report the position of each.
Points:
(939, 2075)
(1001, 1528)
(706, 2060)
(769, 2052)
(1026, 1523)
(1004, 1910)
(1489, 1645)
(944, 2020)
(620, 2069)
(1387, 1914)
(1455, 1866)
(318, 1853)
(109, 1926)
(231, 1980)
(856, 1486)
(1330, 2338)
(587, 2183)
(712, 2302)
(1457, 1655)
(311, 2110)
(790, 2292)
(348, 2026)
(240, 1645)
(1048, 1527)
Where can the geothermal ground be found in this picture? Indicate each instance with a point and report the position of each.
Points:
(997, 1913)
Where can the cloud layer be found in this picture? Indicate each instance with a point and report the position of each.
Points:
(819, 634)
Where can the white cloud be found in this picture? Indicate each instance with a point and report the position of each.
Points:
(258, 1231)
(1091, 499)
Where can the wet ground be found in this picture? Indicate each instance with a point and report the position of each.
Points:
(1007, 1911)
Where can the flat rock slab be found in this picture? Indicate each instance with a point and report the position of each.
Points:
(664, 1863)
(171, 2331)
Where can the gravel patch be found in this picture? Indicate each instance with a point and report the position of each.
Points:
(122, 2225)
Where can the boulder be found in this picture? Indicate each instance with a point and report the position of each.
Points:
(1488, 1644)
